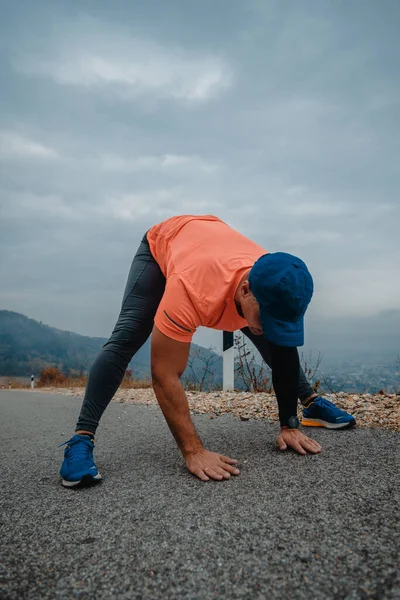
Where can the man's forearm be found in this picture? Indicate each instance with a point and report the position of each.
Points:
(173, 402)
(285, 378)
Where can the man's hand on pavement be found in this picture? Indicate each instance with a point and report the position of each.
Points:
(208, 465)
(293, 438)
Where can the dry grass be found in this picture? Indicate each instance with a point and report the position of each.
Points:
(14, 384)
(56, 379)
(81, 382)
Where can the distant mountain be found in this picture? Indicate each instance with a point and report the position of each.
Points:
(358, 345)
(27, 346)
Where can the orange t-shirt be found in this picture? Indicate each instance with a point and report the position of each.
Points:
(203, 261)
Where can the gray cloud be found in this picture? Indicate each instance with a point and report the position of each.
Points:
(91, 55)
(282, 120)
(13, 145)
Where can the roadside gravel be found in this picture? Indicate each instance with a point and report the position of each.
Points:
(380, 410)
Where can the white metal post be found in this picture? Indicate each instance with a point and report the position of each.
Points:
(228, 371)
(32, 382)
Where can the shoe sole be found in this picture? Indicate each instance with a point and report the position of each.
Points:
(321, 423)
(86, 481)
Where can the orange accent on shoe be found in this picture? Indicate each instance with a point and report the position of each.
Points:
(309, 423)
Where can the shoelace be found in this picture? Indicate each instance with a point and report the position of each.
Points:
(327, 404)
(79, 451)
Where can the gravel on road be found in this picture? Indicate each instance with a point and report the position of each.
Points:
(371, 410)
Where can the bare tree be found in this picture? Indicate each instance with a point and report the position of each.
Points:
(85, 364)
(310, 368)
(196, 380)
(255, 376)
(333, 386)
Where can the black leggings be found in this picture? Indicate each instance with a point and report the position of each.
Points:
(143, 293)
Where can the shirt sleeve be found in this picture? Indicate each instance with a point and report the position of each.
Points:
(178, 315)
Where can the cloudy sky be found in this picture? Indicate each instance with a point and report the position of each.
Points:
(282, 118)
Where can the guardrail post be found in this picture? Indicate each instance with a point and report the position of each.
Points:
(228, 368)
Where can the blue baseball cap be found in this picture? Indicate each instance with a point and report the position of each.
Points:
(283, 288)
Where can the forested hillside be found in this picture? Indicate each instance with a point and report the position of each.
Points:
(27, 346)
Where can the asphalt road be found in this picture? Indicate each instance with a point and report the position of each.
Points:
(289, 527)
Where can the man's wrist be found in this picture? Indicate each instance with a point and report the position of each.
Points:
(290, 422)
(192, 450)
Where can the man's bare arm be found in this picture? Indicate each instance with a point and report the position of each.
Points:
(168, 362)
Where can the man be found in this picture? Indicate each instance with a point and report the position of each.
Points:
(192, 271)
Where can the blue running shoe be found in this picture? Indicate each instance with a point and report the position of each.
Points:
(322, 413)
(78, 466)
